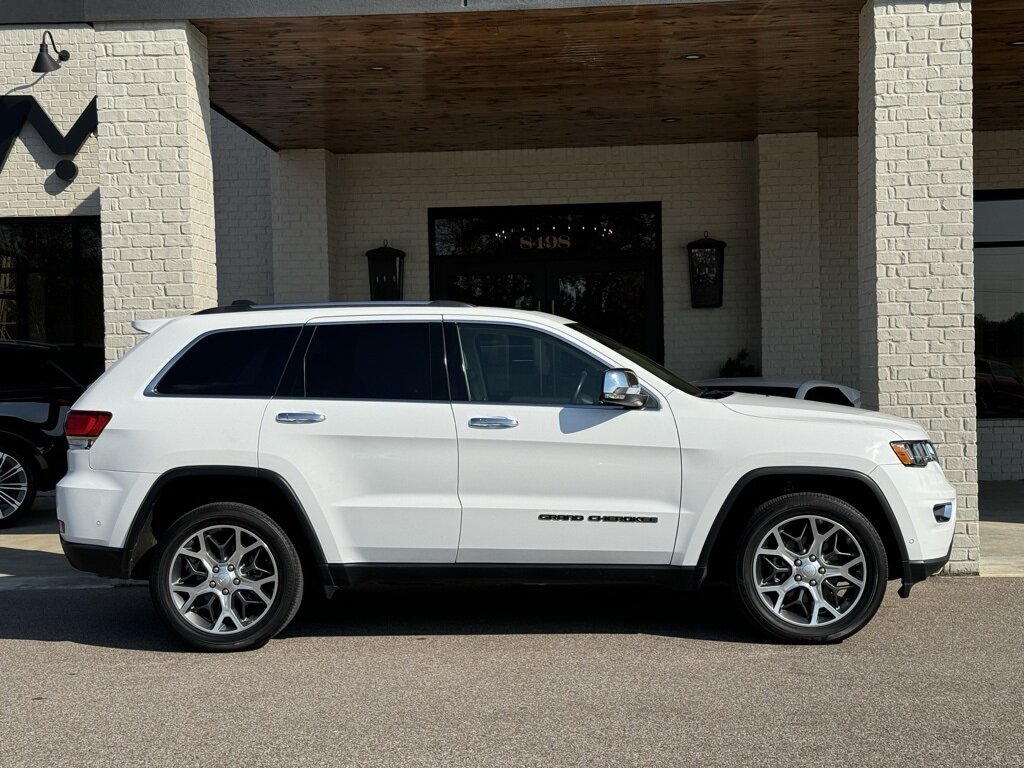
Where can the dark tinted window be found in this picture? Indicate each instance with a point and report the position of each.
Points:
(506, 364)
(827, 395)
(242, 363)
(999, 303)
(30, 370)
(376, 361)
(51, 288)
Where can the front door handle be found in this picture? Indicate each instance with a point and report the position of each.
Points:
(300, 417)
(493, 422)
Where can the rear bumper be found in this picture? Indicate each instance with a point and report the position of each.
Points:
(108, 562)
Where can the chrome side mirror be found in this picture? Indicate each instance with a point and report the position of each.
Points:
(622, 388)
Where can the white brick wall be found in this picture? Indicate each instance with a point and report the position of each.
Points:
(28, 184)
(789, 245)
(702, 187)
(837, 174)
(241, 186)
(300, 235)
(916, 225)
(156, 175)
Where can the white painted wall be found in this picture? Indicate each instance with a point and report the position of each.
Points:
(701, 186)
(241, 190)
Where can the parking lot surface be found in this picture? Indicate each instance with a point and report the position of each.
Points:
(524, 676)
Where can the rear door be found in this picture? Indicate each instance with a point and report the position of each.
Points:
(363, 428)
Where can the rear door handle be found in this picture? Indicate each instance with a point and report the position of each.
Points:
(300, 417)
(493, 422)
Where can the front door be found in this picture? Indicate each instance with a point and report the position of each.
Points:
(597, 264)
(365, 435)
(546, 473)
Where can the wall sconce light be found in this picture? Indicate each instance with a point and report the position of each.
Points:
(44, 61)
(385, 265)
(707, 272)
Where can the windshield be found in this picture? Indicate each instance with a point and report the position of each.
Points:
(643, 361)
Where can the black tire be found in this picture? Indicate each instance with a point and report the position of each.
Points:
(32, 483)
(285, 596)
(875, 570)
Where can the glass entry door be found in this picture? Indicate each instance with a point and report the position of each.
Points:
(597, 264)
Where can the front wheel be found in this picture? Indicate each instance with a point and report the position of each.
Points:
(810, 568)
(226, 577)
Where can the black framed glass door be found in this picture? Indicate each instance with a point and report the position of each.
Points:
(51, 288)
(597, 264)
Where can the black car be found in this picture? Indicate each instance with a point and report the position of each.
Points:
(35, 395)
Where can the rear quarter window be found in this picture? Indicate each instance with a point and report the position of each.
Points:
(30, 370)
(237, 363)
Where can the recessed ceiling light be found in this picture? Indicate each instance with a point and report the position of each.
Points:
(692, 56)
(377, 68)
(670, 119)
(1017, 42)
(419, 127)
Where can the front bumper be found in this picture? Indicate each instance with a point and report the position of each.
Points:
(109, 562)
(915, 571)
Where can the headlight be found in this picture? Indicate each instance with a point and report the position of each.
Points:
(914, 453)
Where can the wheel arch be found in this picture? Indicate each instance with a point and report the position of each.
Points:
(179, 490)
(762, 484)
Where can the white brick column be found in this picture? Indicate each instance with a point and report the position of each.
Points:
(789, 246)
(916, 216)
(156, 175)
(300, 226)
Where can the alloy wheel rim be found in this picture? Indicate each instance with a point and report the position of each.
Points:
(13, 485)
(809, 570)
(223, 579)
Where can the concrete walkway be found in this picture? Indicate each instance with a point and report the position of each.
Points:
(1002, 527)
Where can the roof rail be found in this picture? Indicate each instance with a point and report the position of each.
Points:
(244, 305)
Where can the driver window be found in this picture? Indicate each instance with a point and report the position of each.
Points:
(506, 364)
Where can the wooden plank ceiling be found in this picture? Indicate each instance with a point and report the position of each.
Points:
(555, 78)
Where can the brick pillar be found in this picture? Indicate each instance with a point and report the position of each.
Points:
(916, 219)
(300, 225)
(156, 175)
(790, 251)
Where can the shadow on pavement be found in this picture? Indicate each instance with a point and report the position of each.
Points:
(124, 617)
(41, 519)
(31, 555)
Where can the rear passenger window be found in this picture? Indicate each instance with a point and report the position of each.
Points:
(376, 361)
(242, 363)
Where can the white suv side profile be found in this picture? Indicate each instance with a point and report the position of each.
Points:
(237, 456)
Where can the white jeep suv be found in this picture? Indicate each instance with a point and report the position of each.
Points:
(237, 455)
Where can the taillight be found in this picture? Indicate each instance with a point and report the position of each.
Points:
(83, 427)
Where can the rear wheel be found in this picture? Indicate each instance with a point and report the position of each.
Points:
(17, 484)
(226, 577)
(810, 568)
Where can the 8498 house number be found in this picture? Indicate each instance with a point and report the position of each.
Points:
(544, 242)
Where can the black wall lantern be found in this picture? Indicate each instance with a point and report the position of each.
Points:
(707, 271)
(385, 273)
(44, 61)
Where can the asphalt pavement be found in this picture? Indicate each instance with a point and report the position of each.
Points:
(515, 677)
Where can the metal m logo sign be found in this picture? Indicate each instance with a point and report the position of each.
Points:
(15, 111)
